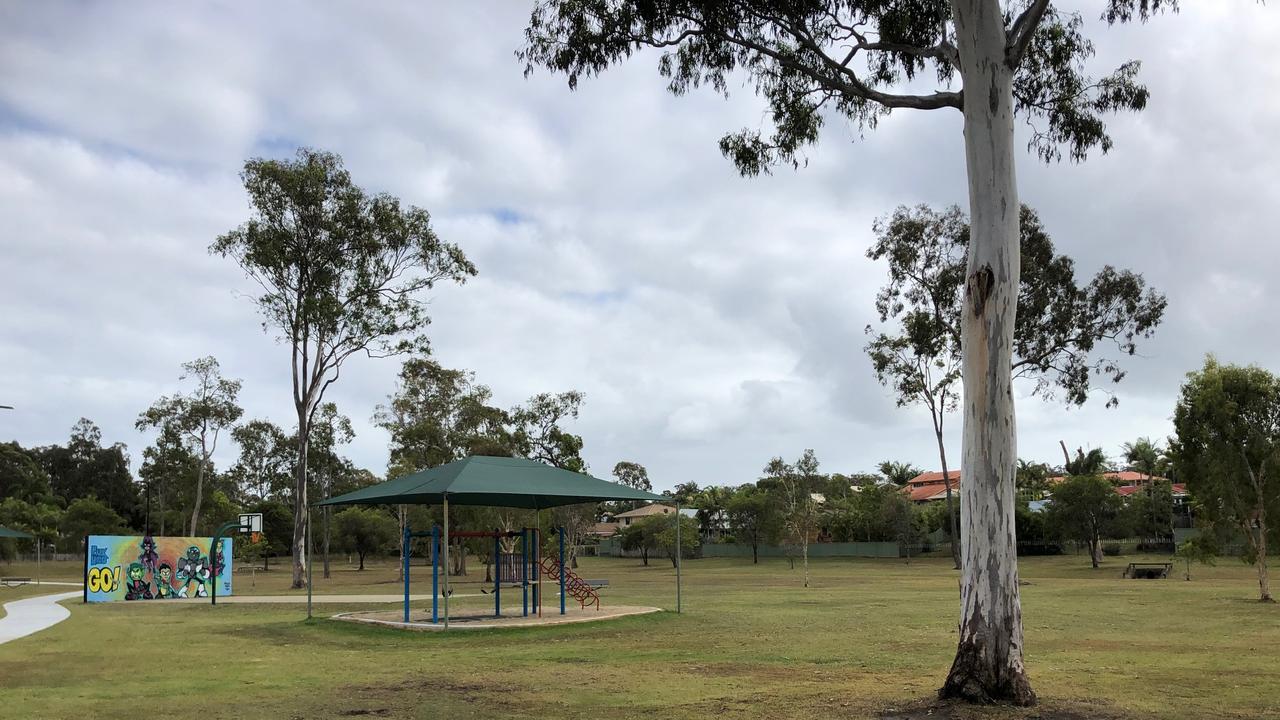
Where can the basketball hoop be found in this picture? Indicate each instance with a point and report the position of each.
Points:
(251, 523)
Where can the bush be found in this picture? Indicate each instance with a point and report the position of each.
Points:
(1111, 549)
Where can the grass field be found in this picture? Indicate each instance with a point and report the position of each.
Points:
(872, 638)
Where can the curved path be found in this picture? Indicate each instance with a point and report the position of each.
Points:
(24, 617)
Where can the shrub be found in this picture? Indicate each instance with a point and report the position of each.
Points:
(1111, 549)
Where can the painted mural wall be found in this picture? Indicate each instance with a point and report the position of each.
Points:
(137, 567)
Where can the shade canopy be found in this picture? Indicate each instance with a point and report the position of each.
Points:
(493, 482)
(6, 532)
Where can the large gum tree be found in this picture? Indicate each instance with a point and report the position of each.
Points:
(341, 272)
(859, 60)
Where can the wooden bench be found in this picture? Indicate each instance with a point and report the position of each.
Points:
(14, 581)
(1148, 571)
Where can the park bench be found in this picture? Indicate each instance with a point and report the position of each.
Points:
(1148, 571)
(597, 584)
(14, 581)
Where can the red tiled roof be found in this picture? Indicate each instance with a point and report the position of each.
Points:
(1123, 476)
(921, 493)
(934, 477)
(1127, 490)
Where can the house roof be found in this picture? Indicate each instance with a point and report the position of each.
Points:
(936, 491)
(1178, 489)
(933, 477)
(654, 509)
(1127, 477)
(604, 529)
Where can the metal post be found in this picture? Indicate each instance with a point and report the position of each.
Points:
(524, 568)
(435, 574)
(38, 557)
(562, 573)
(446, 560)
(679, 553)
(405, 561)
(497, 574)
(310, 552)
(537, 568)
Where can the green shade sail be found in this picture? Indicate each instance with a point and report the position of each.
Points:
(6, 532)
(493, 482)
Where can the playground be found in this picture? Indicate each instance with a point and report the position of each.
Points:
(870, 639)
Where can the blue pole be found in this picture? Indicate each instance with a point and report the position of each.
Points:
(497, 574)
(435, 574)
(562, 573)
(405, 560)
(524, 568)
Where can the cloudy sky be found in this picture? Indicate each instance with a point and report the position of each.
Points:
(712, 321)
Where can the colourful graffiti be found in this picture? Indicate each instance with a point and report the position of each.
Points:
(132, 567)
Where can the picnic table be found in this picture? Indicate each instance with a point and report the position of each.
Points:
(1148, 571)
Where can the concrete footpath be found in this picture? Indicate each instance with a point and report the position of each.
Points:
(24, 617)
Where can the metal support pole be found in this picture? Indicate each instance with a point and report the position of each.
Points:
(537, 568)
(679, 553)
(497, 574)
(310, 552)
(446, 560)
(562, 572)
(405, 562)
(435, 574)
(524, 569)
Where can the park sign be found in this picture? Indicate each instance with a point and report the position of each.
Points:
(138, 567)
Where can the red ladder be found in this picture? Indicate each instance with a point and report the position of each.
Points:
(574, 586)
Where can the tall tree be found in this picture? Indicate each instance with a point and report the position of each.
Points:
(21, 476)
(859, 60)
(539, 433)
(84, 467)
(632, 474)
(341, 273)
(753, 518)
(199, 416)
(1059, 326)
(800, 510)
(898, 473)
(1228, 448)
(169, 470)
(265, 465)
(1085, 508)
(1144, 456)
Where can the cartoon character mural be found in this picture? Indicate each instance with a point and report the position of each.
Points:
(158, 568)
(193, 568)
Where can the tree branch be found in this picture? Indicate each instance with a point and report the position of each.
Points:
(1024, 28)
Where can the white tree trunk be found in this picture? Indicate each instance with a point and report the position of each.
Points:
(195, 510)
(988, 666)
(300, 505)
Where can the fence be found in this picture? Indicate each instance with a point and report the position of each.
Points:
(816, 550)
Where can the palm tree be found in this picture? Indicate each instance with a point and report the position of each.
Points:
(1092, 463)
(898, 473)
(1144, 456)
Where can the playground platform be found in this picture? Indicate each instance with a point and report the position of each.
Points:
(421, 619)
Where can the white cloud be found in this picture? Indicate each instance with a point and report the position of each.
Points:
(713, 321)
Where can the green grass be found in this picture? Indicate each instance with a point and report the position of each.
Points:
(869, 636)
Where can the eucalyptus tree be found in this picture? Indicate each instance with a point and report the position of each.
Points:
(632, 474)
(341, 273)
(265, 464)
(199, 416)
(858, 60)
(1227, 446)
(1057, 336)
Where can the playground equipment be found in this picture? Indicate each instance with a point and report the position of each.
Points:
(523, 569)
